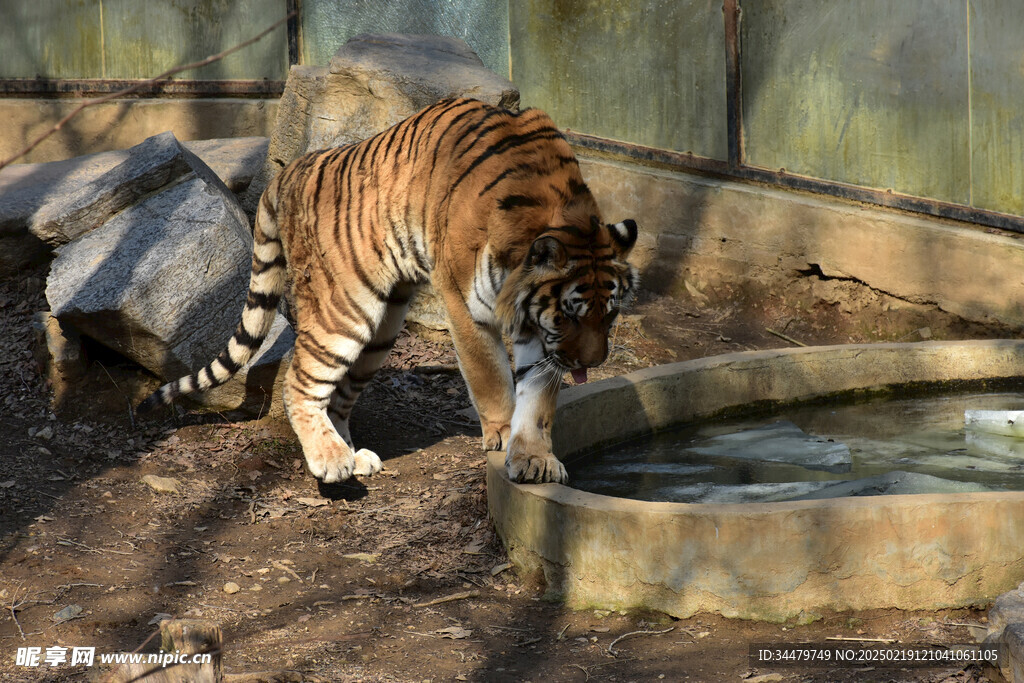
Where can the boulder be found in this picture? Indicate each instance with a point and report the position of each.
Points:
(28, 189)
(1006, 633)
(58, 353)
(163, 281)
(372, 83)
(151, 165)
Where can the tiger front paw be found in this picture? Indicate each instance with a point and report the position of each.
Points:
(367, 463)
(495, 435)
(526, 468)
(331, 460)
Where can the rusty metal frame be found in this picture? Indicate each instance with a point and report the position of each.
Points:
(87, 87)
(733, 82)
(793, 181)
(736, 166)
(294, 8)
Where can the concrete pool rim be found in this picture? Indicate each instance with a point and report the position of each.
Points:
(767, 561)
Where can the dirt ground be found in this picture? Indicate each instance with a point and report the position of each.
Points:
(348, 582)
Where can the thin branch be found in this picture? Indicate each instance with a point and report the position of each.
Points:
(449, 598)
(611, 647)
(167, 75)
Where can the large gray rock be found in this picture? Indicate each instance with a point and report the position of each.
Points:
(150, 165)
(163, 283)
(1005, 631)
(28, 189)
(372, 83)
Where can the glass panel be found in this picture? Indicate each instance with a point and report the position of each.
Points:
(869, 92)
(483, 24)
(997, 105)
(50, 39)
(651, 73)
(144, 39)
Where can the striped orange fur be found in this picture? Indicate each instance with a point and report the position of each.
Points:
(489, 206)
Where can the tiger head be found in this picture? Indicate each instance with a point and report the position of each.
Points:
(569, 289)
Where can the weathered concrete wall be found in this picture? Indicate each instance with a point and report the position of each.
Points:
(122, 124)
(700, 229)
(709, 231)
(769, 561)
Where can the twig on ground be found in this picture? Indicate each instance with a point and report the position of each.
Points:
(68, 542)
(285, 568)
(784, 337)
(227, 609)
(449, 598)
(13, 608)
(864, 640)
(529, 642)
(611, 648)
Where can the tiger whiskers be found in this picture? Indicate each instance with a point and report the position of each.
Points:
(551, 368)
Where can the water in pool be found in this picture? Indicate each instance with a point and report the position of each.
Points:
(913, 445)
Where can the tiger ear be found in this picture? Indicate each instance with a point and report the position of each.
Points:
(623, 235)
(545, 252)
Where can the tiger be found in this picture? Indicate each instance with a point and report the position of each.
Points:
(486, 204)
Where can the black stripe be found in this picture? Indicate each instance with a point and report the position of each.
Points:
(493, 274)
(573, 230)
(562, 194)
(504, 145)
(271, 209)
(360, 380)
(243, 337)
(214, 382)
(479, 296)
(515, 201)
(447, 129)
(476, 128)
(315, 208)
(322, 354)
(353, 305)
(377, 347)
(259, 266)
(507, 172)
(410, 128)
(523, 371)
(391, 134)
(578, 187)
(228, 362)
(337, 198)
(267, 302)
(311, 378)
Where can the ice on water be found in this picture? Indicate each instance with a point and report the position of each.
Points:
(780, 441)
(893, 484)
(905, 446)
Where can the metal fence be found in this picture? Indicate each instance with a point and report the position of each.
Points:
(916, 104)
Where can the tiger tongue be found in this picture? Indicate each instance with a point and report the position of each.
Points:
(579, 375)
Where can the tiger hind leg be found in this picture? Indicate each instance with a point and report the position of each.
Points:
(347, 391)
(317, 366)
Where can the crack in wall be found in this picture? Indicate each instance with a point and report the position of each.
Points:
(814, 270)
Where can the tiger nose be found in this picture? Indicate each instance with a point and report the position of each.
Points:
(593, 351)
